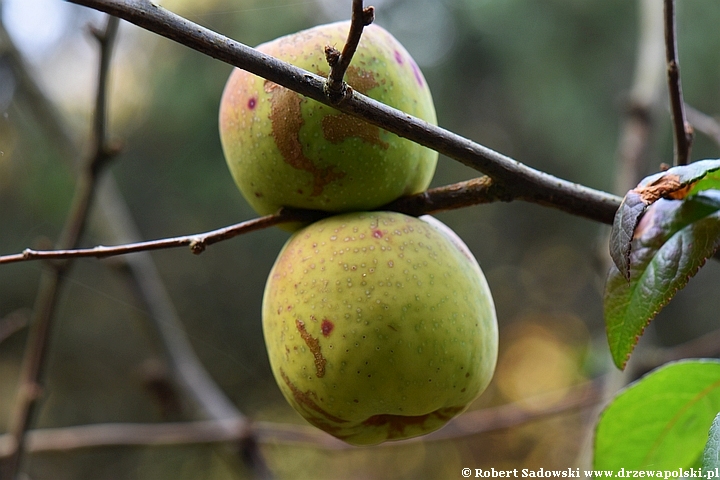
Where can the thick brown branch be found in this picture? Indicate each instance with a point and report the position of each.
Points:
(339, 62)
(682, 129)
(519, 180)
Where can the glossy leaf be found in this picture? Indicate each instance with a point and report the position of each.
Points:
(675, 183)
(711, 455)
(661, 421)
(671, 243)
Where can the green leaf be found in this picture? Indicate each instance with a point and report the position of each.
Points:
(711, 181)
(670, 244)
(711, 455)
(675, 183)
(661, 421)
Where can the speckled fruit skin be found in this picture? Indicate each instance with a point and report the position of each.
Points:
(284, 149)
(379, 326)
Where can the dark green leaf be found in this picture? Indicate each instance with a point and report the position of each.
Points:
(711, 455)
(671, 243)
(661, 421)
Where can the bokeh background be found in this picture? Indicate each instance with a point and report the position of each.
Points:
(546, 82)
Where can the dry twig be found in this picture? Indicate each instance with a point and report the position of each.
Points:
(339, 62)
(458, 195)
(682, 129)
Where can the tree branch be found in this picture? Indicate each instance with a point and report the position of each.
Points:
(682, 129)
(30, 390)
(458, 195)
(337, 90)
(520, 181)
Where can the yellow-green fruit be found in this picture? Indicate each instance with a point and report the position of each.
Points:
(284, 149)
(379, 326)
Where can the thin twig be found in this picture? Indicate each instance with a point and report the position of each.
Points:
(682, 129)
(518, 179)
(458, 195)
(30, 390)
(468, 424)
(197, 242)
(339, 62)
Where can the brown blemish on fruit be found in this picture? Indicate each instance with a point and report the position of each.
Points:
(361, 80)
(314, 346)
(377, 233)
(286, 119)
(338, 128)
(326, 327)
(396, 424)
(306, 400)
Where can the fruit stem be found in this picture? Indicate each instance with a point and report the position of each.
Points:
(335, 88)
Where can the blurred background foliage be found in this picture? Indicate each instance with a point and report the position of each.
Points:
(546, 82)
